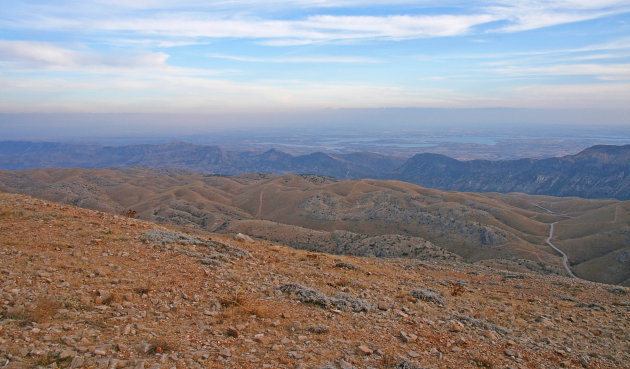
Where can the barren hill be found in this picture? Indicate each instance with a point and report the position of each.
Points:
(361, 217)
(87, 289)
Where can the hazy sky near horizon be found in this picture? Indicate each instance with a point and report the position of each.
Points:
(221, 57)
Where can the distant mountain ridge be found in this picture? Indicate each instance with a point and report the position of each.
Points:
(598, 172)
(20, 155)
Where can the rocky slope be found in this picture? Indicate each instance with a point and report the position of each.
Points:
(81, 288)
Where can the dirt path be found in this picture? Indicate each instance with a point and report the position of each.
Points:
(260, 203)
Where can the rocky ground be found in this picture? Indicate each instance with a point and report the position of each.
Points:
(84, 289)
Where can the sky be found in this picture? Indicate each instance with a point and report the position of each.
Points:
(290, 56)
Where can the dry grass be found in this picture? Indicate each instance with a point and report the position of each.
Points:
(143, 289)
(45, 308)
(238, 305)
(111, 298)
(74, 303)
(483, 361)
(41, 311)
(389, 359)
(456, 289)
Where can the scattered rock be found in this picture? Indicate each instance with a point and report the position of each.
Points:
(407, 337)
(306, 295)
(232, 332)
(343, 302)
(344, 265)
(365, 350)
(243, 238)
(456, 327)
(428, 295)
(318, 328)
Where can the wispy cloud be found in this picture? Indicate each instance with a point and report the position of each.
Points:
(41, 54)
(314, 28)
(535, 14)
(310, 59)
(603, 70)
(160, 55)
(173, 19)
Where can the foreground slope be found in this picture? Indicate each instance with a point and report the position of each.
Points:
(86, 289)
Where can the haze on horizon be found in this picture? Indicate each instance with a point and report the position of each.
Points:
(284, 60)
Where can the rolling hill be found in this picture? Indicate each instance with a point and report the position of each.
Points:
(360, 217)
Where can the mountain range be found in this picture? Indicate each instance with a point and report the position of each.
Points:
(597, 172)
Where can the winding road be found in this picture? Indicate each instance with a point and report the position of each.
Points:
(565, 258)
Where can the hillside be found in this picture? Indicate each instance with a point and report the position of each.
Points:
(87, 289)
(361, 217)
(597, 172)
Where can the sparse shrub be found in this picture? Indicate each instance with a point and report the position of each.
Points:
(237, 304)
(621, 291)
(16, 312)
(342, 282)
(345, 265)
(129, 213)
(456, 289)
(52, 358)
(483, 361)
(161, 345)
(44, 309)
(142, 289)
(388, 360)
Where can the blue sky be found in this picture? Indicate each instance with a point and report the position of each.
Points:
(223, 57)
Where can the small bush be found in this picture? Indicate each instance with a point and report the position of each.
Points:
(44, 309)
(483, 361)
(129, 213)
(237, 304)
(456, 289)
(161, 345)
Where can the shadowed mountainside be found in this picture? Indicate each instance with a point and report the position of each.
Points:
(361, 217)
(597, 172)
